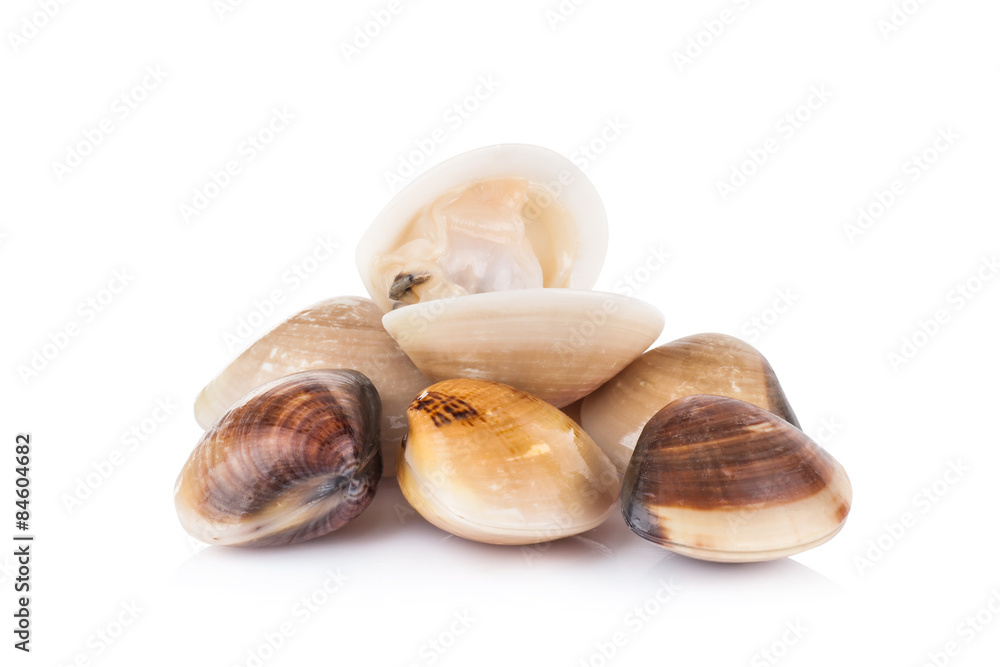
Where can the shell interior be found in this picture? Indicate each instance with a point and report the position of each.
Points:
(511, 216)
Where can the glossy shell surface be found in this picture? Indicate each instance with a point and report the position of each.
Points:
(616, 413)
(493, 464)
(556, 344)
(718, 479)
(345, 332)
(296, 458)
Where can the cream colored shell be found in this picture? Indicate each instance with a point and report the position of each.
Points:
(557, 344)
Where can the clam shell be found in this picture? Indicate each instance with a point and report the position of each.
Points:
(295, 459)
(556, 344)
(709, 363)
(345, 332)
(723, 480)
(545, 207)
(494, 464)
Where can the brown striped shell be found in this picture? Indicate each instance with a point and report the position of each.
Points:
(344, 332)
(295, 459)
(723, 480)
(491, 463)
(701, 364)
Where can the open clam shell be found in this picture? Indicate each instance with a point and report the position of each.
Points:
(709, 363)
(344, 332)
(556, 344)
(723, 480)
(511, 216)
(295, 459)
(494, 464)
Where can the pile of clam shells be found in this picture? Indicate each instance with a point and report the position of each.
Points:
(513, 404)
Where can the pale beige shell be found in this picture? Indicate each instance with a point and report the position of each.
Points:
(345, 332)
(556, 344)
(494, 464)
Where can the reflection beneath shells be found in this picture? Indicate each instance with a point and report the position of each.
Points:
(783, 583)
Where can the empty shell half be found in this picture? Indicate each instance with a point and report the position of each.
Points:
(722, 480)
(345, 332)
(295, 459)
(556, 344)
(709, 363)
(503, 217)
(494, 464)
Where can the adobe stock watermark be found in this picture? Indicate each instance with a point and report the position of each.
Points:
(922, 503)
(786, 127)
(829, 428)
(452, 119)
(263, 307)
(634, 280)
(439, 478)
(559, 13)
(86, 312)
(564, 521)
(123, 105)
(301, 612)
(584, 329)
(8, 570)
(911, 171)
(587, 153)
(759, 324)
(702, 38)
(966, 631)
(31, 25)
(366, 32)
(793, 633)
(130, 440)
(217, 180)
(223, 8)
(956, 299)
(899, 15)
(633, 623)
(107, 635)
(437, 646)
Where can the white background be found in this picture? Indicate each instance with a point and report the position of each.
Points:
(882, 592)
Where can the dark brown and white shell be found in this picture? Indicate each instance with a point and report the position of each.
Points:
(708, 363)
(344, 332)
(296, 458)
(723, 480)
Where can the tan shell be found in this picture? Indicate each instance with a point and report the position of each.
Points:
(709, 363)
(345, 332)
(295, 459)
(556, 344)
(719, 479)
(494, 464)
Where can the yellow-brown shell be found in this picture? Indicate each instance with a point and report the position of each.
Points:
(723, 480)
(295, 459)
(491, 463)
